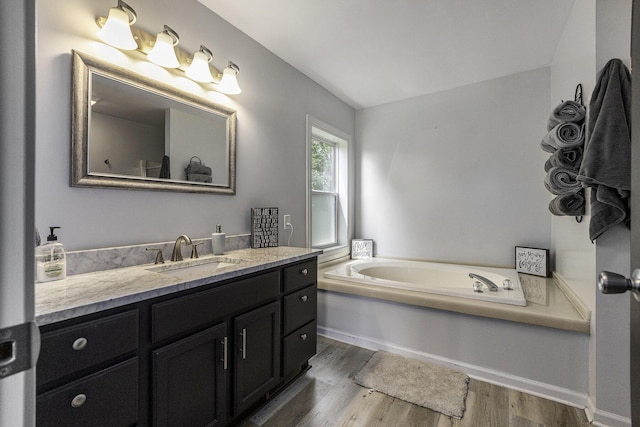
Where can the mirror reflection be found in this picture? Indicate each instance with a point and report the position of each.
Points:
(133, 132)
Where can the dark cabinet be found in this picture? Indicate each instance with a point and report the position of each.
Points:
(257, 366)
(106, 398)
(200, 357)
(87, 373)
(300, 304)
(189, 380)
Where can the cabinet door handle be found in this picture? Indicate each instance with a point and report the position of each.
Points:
(224, 353)
(244, 343)
(80, 344)
(79, 400)
(304, 271)
(304, 298)
(303, 337)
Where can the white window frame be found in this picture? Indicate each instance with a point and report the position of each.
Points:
(344, 186)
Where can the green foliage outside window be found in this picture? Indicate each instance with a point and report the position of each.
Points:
(322, 166)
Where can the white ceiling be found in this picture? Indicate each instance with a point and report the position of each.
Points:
(370, 52)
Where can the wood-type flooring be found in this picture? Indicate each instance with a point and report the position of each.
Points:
(326, 395)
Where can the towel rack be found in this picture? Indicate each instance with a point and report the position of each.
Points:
(577, 97)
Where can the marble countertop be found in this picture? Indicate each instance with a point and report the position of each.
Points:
(92, 292)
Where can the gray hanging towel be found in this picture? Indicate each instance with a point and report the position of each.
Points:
(606, 161)
(165, 170)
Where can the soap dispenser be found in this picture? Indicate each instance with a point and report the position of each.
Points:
(51, 262)
(217, 241)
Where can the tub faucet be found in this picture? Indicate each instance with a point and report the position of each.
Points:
(492, 286)
(176, 255)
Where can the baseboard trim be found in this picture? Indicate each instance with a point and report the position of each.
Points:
(598, 417)
(536, 388)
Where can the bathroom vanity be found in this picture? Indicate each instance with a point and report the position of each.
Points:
(196, 350)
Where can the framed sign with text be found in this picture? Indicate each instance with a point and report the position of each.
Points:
(533, 261)
(361, 248)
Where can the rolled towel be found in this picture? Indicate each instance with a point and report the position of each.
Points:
(567, 111)
(199, 177)
(571, 204)
(563, 135)
(561, 181)
(568, 158)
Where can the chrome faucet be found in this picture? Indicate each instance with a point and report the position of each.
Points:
(176, 255)
(492, 286)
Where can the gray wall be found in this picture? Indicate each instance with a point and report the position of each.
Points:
(272, 110)
(456, 175)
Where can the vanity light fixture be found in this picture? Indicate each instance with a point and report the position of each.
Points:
(116, 30)
(163, 52)
(199, 69)
(229, 83)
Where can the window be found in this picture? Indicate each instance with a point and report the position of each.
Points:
(324, 197)
(330, 204)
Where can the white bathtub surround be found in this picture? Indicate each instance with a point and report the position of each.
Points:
(91, 260)
(547, 306)
(436, 278)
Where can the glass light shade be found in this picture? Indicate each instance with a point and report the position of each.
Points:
(116, 31)
(229, 83)
(199, 69)
(163, 53)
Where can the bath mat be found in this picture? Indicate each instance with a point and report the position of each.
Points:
(434, 387)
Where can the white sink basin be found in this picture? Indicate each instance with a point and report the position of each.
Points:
(202, 266)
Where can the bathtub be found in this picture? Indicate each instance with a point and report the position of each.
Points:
(434, 278)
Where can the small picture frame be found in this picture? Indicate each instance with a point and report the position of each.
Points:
(361, 248)
(533, 261)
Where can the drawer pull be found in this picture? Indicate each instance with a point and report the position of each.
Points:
(79, 400)
(224, 356)
(244, 344)
(303, 337)
(304, 298)
(304, 271)
(80, 344)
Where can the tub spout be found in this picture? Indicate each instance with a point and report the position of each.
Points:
(492, 286)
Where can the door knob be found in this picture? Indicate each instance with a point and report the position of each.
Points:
(614, 283)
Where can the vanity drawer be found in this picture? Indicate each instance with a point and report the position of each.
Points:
(300, 275)
(300, 308)
(78, 347)
(199, 309)
(298, 347)
(107, 398)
